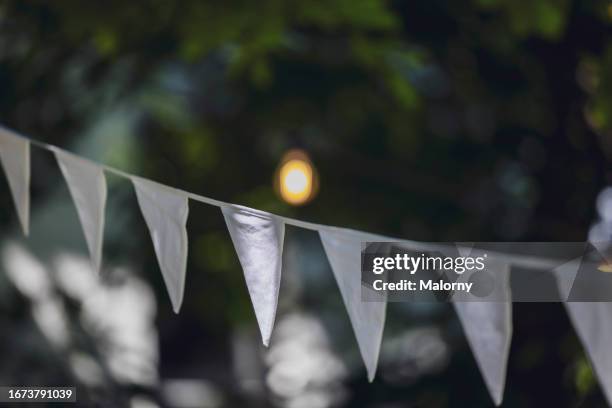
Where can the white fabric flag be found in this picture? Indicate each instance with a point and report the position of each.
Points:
(87, 186)
(15, 158)
(593, 324)
(488, 327)
(566, 275)
(343, 250)
(165, 211)
(592, 321)
(258, 238)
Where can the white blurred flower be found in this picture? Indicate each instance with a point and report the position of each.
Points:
(26, 272)
(604, 204)
(413, 353)
(303, 370)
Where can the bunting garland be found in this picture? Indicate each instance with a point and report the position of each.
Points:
(87, 186)
(343, 250)
(258, 238)
(488, 328)
(487, 324)
(165, 212)
(594, 328)
(15, 159)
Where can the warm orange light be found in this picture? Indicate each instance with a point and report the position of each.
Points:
(605, 267)
(296, 178)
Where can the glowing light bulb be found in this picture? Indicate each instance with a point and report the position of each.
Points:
(296, 178)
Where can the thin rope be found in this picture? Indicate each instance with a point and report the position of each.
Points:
(525, 261)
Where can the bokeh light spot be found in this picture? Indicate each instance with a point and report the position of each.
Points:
(296, 178)
(605, 267)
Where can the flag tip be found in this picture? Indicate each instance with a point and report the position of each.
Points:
(176, 308)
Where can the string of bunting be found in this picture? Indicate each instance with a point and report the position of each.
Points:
(258, 238)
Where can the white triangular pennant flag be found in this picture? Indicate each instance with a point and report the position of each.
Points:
(165, 211)
(87, 186)
(488, 326)
(593, 324)
(343, 250)
(566, 275)
(15, 158)
(582, 279)
(258, 238)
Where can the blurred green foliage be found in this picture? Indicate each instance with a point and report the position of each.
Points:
(433, 120)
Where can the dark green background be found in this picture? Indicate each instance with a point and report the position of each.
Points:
(435, 120)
